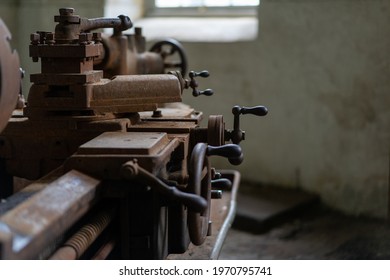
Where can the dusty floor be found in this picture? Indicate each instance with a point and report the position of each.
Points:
(317, 234)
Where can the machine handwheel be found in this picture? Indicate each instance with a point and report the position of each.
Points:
(199, 183)
(169, 50)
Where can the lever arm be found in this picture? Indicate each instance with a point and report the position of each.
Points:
(237, 135)
(232, 152)
(131, 170)
(194, 84)
(70, 26)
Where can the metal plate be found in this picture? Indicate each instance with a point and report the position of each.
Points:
(29, 228)
(122, 143)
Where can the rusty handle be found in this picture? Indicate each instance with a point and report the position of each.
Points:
(118, 24)
(70, 26)
(131, 170)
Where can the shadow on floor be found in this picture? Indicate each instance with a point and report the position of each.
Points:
(310, 231)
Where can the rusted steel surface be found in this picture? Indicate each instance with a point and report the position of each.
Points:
(70, 25)
(104, 156)
(173, 112)
(171, 127)
(32, 226)
(135, 93)
(45, 145)
(69, 83)
(10, 76)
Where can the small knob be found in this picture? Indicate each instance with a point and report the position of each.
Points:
(223, 184)
(257, 110)
(203, 74)
(194, 84)
(216, 194)
(66, 11)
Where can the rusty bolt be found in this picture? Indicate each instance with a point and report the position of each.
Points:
(35, 37)
(157, 114)
(66, 11)
(130, 170)
(50, 38)
(85, 38)
(97, 37)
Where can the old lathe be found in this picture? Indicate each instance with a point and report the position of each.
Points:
(117, 166)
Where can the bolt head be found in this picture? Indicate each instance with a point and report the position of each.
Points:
(66, 11)
(35, 37)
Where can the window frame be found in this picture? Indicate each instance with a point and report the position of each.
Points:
(150, 10)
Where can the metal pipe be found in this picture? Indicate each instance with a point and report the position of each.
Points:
(105, 250)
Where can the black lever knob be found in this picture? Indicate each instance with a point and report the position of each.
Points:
(207, 92)
(194, 84)
(203, 74)
(237, 160)
(257, 110)
(227, 151)
(232, 152)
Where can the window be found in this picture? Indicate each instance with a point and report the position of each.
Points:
(205, 3)
(202, 7)
(215, 20)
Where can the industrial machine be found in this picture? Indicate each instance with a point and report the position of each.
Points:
(119, 167)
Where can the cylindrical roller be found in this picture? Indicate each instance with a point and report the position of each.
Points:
(137, 90)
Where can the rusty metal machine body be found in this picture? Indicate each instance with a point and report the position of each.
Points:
(119, 175)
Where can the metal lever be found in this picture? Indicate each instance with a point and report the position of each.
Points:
(131, 170)
(257, 110)
(231, 151)
(237, 135)
(227, 151)
(194, 84)
(70, 26)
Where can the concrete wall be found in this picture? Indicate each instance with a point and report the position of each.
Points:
(322, 68)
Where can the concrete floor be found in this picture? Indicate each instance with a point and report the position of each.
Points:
(314, 233)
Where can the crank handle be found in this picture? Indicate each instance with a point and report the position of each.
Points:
(131, 170)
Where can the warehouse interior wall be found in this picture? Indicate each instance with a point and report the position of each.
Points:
(322, 69)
